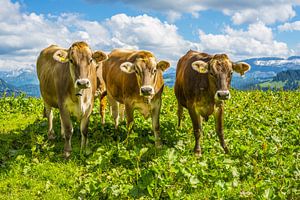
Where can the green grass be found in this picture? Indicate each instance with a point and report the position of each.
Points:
(273, 84)
(262, 130)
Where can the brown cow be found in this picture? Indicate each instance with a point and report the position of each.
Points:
(134, 78)
(68, 82)
(101, 93)
(202, 83)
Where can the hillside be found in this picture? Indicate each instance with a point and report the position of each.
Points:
(287, 80)
(8, 89)
(22, 81)
(261, 130)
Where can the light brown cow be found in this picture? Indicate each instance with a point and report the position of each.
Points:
(68, 82)
(101, 93)
(134, 78)
(202, 83)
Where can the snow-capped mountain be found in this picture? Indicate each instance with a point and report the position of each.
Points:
(264, 69)
(23, 79)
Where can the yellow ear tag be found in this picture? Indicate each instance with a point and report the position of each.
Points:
(62, 59)
(202, 70)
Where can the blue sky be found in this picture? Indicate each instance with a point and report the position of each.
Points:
(242, 29)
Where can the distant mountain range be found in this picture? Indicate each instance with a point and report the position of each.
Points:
(19, 81)
(265, 73)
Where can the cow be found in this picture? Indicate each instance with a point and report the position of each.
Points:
(202, 85)
(134, 78)
(68, 82)
(101, 93)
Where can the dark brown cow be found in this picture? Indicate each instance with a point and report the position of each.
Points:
(134, 78)
(68, 82)
(202, 83)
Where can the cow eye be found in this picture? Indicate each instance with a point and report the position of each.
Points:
(154, 71)
(71, 61)
(91, 60)
(136, 71)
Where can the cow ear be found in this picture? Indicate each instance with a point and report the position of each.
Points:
(241, 67)
(200, 66)
(61, 56)
(99, 56)
(163, 65)
(127, 67)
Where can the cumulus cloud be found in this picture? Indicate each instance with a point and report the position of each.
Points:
(294, 26)
(268, 14)
(24, 35)
(242, 11)
(145, 32)
(256, 41)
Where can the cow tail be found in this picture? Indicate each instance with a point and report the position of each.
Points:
(103, 94)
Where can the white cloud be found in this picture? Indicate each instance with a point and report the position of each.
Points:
(294, 26)
(145, 32)
(242, 11)
(23, 35)
(257, 41)
(268, 14)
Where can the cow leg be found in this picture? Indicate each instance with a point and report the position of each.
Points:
(102, 109)
(49, 114)
(122, 111)
(219, 126)
(155, 124)
(197, 130)
(179, 113)
(62, 130)
(68, 130)
(129, 118)
(115, 110)
(84, 130)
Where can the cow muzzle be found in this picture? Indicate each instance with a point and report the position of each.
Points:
(83, 83)
(147, 90)
(222, 95)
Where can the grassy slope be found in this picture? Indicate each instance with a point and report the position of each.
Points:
(261, 128)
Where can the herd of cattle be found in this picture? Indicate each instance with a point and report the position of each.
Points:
(131, 79)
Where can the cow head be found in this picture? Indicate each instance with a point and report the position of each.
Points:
(147, 71)
(82, 63)
(219, 70)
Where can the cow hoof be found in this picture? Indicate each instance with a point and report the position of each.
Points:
(197, 153)
(226, 150)
(158, 144)
(51, 136)
(67, 154)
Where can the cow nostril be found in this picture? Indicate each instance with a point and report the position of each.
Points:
(219, 94)
(146, 90)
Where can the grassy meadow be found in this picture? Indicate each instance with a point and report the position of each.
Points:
(262, 130)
